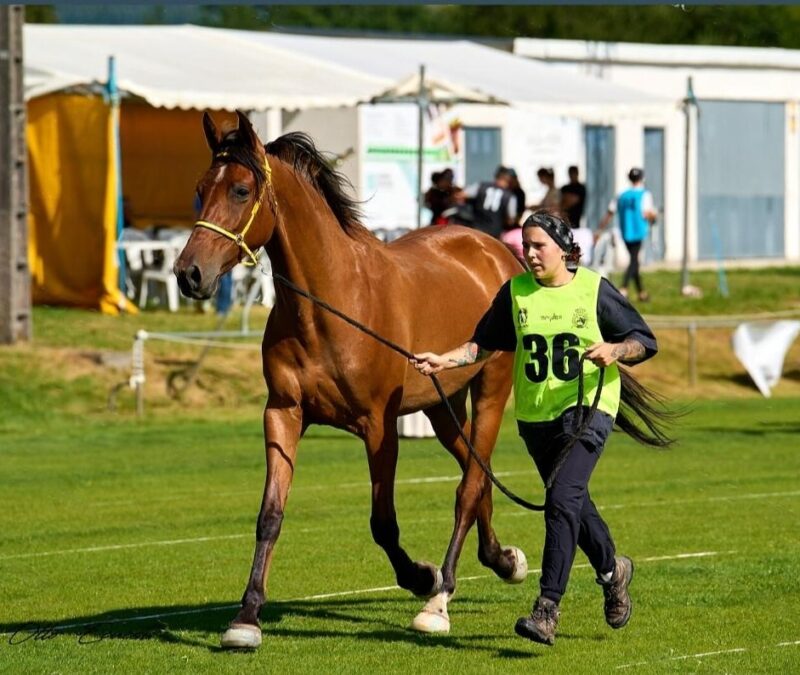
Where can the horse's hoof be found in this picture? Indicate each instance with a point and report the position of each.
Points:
(433, 618)
(241, 636)
(520, 565)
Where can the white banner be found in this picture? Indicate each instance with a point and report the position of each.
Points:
(389, 149)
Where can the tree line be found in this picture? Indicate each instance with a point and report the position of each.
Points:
(761, 26)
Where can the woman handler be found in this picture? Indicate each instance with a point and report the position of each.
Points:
(549, 316)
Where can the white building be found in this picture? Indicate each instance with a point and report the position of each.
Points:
(744, 153)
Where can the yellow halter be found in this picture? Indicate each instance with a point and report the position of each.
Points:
(238, 238)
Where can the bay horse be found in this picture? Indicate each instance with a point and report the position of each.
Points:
(426, 290)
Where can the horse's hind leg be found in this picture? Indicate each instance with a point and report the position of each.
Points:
(490, 553)
(421, 578)
(282, 430)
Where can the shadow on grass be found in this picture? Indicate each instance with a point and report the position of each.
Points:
(740, 379)
(792, 374)
(744, 381)
(758, 429)
(356, 619)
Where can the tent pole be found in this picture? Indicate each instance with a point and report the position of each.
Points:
(688, 102)
(421, 105)
(113, 99)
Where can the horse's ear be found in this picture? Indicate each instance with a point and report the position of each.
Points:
(212, 134)
(246, 130)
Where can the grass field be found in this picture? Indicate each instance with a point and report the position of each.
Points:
(127, 542)
(108, 524)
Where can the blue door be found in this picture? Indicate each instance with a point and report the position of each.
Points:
(484, 153)
(654, 181)
(740, 179)
(600, 151)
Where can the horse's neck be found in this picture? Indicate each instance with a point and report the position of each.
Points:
(310, 248)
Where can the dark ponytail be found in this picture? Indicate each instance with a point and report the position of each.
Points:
(643, 414)
(574, 255)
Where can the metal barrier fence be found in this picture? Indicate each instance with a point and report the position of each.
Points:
(221, 339)
(693, 323)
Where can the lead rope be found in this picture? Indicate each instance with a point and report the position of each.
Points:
(580, 427)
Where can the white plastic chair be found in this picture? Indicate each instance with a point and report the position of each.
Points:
(162, 273)
(134, 259)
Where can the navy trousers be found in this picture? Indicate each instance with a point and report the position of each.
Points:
(571, 518)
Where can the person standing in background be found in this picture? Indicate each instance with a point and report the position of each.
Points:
(519, 193)
(636, 212)
(573, 198)
(512, 235)
(494, 204)
(552, 199)
(439, 197)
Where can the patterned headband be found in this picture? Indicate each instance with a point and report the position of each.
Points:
(548, 224)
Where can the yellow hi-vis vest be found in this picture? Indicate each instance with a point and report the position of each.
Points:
(554, 327)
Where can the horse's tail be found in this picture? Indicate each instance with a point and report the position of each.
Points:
(649, 409)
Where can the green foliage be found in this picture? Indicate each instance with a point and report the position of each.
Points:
(723, 25)
(252, 17)
(40, 14)
(758, 26)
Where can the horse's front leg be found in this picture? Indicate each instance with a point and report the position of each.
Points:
(473, 498)
(282, 430)
(421, 578)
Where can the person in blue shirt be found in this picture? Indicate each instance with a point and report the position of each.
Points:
(636, 213)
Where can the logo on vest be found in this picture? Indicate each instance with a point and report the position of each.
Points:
(579, 318)
(522, 317)
(550, 317)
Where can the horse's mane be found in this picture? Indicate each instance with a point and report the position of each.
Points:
(298, 150)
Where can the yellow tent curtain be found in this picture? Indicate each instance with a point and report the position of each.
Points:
(73, 210)
(164, 154)
(73, 215)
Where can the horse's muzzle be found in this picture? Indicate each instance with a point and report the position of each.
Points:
(192, 283)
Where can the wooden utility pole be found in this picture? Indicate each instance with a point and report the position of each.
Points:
(15, 291)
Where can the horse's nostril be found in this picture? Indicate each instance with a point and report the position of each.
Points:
(194, 276)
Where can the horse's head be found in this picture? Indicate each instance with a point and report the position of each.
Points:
(236, 215)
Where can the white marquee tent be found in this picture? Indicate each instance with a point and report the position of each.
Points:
(196, 67)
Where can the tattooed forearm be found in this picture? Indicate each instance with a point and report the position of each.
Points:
(467, 354)
(630, 351)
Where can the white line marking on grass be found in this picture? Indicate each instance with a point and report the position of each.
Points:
(338, 594)
(671, 502)
(144, 617)
(682, 556)
(379, 589)
(422, 480)
(701, 655)
(695, 500)
(117, 547)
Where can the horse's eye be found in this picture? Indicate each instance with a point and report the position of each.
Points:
(241, 191)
